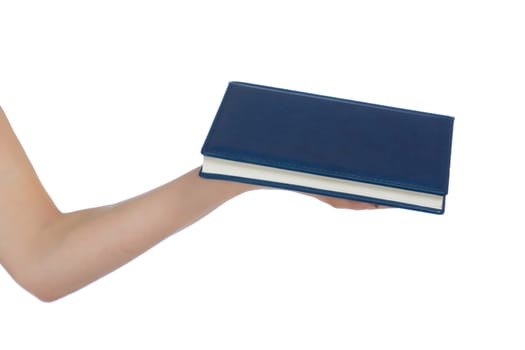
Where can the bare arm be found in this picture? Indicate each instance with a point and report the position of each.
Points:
(52, 254)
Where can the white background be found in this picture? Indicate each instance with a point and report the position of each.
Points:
(113, 98)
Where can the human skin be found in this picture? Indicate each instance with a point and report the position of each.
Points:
(52, 254)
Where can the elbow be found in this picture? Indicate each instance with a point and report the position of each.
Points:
(39, 285)
(43, 291)
(45, 294)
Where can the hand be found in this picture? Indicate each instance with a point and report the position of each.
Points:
(341, 203)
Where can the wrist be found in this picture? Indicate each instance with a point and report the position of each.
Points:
(236, 187)
(233, 188)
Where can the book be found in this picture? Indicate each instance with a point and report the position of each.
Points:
(330, 146)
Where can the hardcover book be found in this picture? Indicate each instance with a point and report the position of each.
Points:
(330, 146)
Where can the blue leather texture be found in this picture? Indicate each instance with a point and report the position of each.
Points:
(332, 137)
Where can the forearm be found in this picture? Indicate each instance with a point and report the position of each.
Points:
(82, 246)
(52, 254)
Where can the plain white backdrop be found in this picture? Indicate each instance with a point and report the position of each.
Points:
(113, 98)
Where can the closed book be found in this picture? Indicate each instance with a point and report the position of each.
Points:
(330, 146)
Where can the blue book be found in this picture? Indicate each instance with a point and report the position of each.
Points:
(330, 146)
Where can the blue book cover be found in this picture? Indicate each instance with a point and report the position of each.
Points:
(331, 146)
